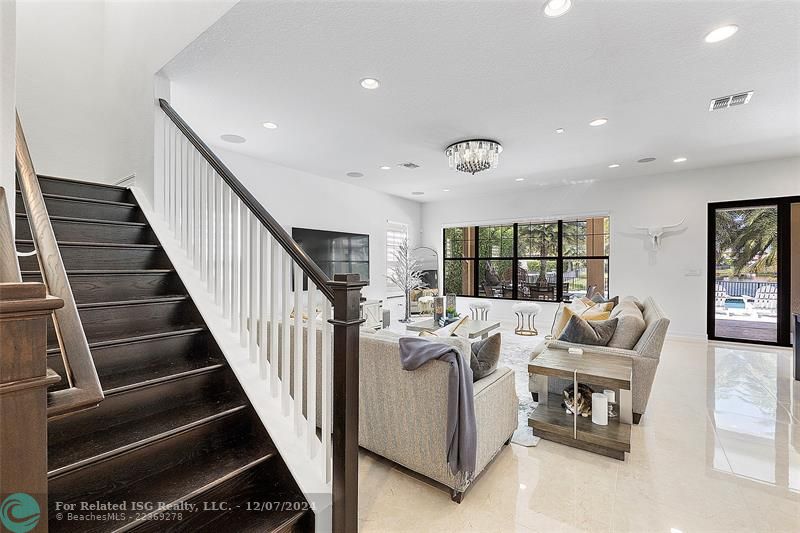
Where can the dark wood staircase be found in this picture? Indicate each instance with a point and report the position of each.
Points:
(175, 426)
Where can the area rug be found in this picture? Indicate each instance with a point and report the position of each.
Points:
(516, 352)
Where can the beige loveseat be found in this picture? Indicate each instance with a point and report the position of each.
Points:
(645, 353)
(403, 414)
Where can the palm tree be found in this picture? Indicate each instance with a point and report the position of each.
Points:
(747, 237)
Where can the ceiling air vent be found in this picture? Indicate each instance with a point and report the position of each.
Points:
(730, 101)
(409, 165)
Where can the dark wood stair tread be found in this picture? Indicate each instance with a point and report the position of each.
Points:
(127, 339)
(116, 439)
(137, 301)
(85, 200)
(98, 221)
(181, 467)
(29, 243)
(81, 182)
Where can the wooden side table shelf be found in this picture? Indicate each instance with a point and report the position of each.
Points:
(549, 420)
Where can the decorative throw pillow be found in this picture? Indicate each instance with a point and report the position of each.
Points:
(635, 301)
(593, 333)
(599, 299)
(485, 354)
(630, 327)
(564, 314)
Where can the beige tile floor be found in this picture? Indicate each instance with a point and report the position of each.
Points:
(718, 450)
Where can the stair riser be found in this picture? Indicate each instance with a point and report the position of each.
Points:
(91, 288)
(185, 352)
(88, 232)
(84, 190)
(123, 471)
(119, 409)
(124, 321)
(61, 207)
(99, 258)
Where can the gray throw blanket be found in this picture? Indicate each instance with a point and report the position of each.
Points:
(462, 439)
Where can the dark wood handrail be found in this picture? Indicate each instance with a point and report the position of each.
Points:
(309, 267)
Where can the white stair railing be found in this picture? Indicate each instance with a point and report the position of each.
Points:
(253, 274)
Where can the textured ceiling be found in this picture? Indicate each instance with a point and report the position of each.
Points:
(494, 69)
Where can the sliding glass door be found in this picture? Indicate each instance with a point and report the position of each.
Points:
(749, 271)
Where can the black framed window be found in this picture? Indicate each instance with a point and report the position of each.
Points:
(459, 261)
(496, 261)
(541, 261)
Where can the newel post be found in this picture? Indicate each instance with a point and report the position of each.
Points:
(24, 377)
(346, 321)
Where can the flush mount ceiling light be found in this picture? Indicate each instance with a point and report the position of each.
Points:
(519, 179)
(270, 125)
(355, 175)
(473, 155)
(560, 130)
(556, 8)
(646, 160)
(598, 122)
(385, 167)
(613, 165)
(721, 33)
(231, 138)
(445, 190)
(679, 160)
(370, 83)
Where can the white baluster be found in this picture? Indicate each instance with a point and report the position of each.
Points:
(227, 254)
(190, 190)
(327, 392)
(198, 215)
(211, 215)
(274, 294)
(235, 258)
(244, 279)
(164, 166)
(298, 351)
(266, 277)
(286, 357)
(203, 214)
(255, 311)
(184, 193)
(219, 252)
(175, 156)
(311, 361)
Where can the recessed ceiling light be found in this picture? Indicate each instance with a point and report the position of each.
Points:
(598, 122)
(386, 167)
(556, 8)
(646, 160)
(445, 190)
(370, 83)
(231, 138)
(519, 179)
(355, 174)
(417, 193)
(679, 160)
(721, 33)
(560, 130)
(270, 125)
(613, 165)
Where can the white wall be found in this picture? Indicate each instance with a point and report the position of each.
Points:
(85, 85)
(300, 199)
(7, 84)
(645, 201)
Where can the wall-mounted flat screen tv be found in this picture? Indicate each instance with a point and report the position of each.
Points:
(334, 251)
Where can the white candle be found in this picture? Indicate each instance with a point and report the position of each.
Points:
(600, 409)
(611, 395)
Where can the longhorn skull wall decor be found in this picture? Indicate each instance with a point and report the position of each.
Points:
(656, 233)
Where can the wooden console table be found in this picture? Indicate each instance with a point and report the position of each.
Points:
(550, 421)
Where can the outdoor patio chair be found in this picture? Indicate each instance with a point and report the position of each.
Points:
(765, 302)
(720, 297)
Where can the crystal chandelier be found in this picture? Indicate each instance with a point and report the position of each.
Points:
(474, 155)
